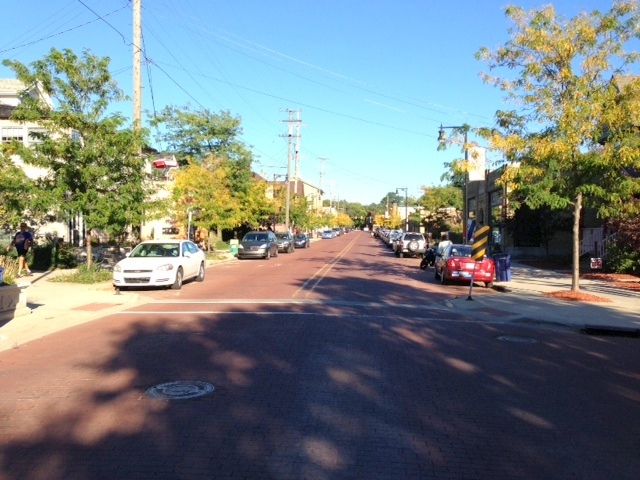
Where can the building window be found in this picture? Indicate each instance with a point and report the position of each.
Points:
(32, 140)
(12, 133)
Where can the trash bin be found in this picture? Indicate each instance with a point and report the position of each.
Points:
(233, 246)
(503, 267)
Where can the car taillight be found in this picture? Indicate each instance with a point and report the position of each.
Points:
(453, 264)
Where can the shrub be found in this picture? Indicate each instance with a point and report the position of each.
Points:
(10, 266)
(620, 259)
(85, 275)
(50, 255)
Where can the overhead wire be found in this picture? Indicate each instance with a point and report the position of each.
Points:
(42, 39)
(350, 82)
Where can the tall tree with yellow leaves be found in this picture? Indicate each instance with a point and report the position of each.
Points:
(575, 126)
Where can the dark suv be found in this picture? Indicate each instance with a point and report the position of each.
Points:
(285, 242)
(412, 244)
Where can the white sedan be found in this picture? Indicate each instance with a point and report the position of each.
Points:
(160, 263)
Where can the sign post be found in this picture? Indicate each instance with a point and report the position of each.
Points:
(478, 250)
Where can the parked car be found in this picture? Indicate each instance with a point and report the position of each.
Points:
(160, 263)
(455, 264)
(328, 234)
(302, 240)
(258, 245)
(411, 244)
(285, 242)
(392, 238)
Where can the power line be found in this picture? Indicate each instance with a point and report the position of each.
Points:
(64, 31)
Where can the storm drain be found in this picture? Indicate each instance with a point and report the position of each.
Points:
(516, 339)
(180, 390)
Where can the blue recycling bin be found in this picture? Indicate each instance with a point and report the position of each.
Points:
(503, 267)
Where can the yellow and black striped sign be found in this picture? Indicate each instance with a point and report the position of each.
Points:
(480, 241)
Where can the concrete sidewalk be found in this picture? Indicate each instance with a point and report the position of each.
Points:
(56, 306)
(522, 300)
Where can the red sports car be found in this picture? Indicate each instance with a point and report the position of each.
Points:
(455, 264)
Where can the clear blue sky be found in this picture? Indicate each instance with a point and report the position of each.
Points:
(374, 79)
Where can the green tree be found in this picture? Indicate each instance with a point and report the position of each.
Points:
(20, 199)
(207, 142)
(197, 134)
(91, 161)
(435, 198)
(565, 93)
(208, 189)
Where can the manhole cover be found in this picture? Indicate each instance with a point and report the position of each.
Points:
(180, 390)
(516, 339)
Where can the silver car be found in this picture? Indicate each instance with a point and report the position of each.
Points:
(259, 244)
(285, 242)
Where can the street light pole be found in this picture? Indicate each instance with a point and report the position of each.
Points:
(406, 207)
(465, 209)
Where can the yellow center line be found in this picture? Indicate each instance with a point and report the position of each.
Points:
(320, 274)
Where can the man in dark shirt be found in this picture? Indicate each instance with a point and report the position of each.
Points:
(22, 241)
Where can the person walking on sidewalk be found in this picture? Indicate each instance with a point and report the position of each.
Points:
(22, 241)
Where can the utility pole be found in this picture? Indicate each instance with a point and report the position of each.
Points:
(322, 160)
(297, 152)
(290, 136)
(137, 82)
(137, 61)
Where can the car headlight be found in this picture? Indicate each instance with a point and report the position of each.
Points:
(165, 268)
(240, 247)
(117, 268)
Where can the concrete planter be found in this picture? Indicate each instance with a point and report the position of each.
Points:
(13, 302)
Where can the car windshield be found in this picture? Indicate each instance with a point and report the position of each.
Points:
(255, 237)
(301, 236)
(156, 250)
(282, 236)
(413, 236)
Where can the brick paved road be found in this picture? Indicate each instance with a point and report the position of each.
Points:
(336, 391)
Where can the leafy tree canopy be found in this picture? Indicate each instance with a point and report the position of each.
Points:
(197, 134)
(574, 129)
(435, 198)
(91, 161)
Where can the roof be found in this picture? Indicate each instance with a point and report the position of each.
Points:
(10, 88)
(10, 85)
(632, 172)
(5, 111)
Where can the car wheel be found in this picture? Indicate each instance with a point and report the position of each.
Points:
(443, 279)
(177, 284)
(200, 277)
